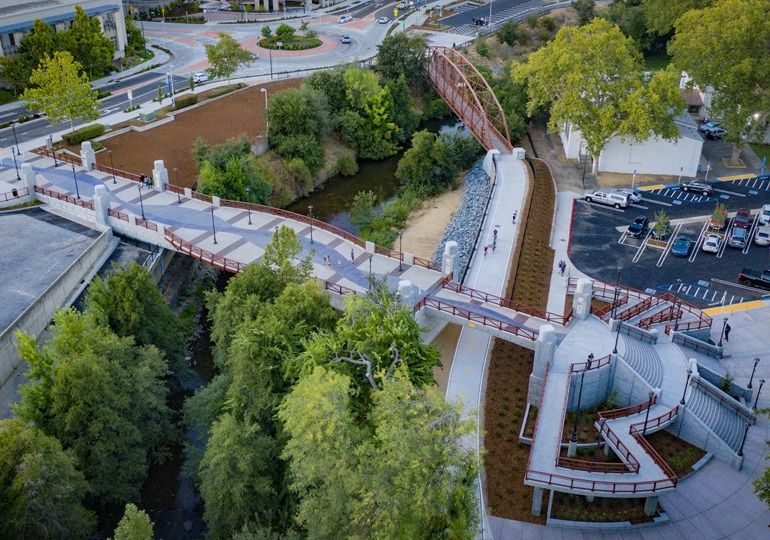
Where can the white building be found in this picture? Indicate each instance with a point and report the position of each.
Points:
(18, 16)
(653, 156)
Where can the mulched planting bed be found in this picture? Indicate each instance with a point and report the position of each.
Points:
(679, 454)
(505, 461)
(230, 116)
(577, 508)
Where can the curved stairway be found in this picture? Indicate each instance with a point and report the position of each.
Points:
(723, 421)
(643, 359)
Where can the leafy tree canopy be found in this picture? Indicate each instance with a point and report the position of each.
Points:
(661, 15)
(403, 54)
(427, 167)
(226, 56)
(298, 111)
(87, 44)
(134, 525)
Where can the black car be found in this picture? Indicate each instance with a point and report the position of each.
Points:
(697, 185)
(638, 228)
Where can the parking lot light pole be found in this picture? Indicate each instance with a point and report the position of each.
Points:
(213, 225)
(675, 312)
(647, 415)
(16, 166)
(633, 179)
(722, 334)
(75, 176)
(15, 140)
(756, 400)
(756, 361)
(112, 167)
(141, 202)
(681, 170)
(689, 374)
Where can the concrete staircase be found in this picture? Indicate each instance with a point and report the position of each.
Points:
(643, 359)
(725, 422)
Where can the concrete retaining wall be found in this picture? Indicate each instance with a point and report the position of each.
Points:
(36, 317)
(692, 429)
(597, 384)
(631, 388)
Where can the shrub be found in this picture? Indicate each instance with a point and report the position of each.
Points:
(186, 101)
(284, 32)
(509, 33)
(347, 164)
(531, 20)
(84, 134)
(304, 147)
(662, 224)
(482, 47)
(547, 22)
(301, 174)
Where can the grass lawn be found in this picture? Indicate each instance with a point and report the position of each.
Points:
(762, 151)
(656, 62)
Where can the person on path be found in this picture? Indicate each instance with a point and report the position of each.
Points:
(514, 217)
(352, 255)
(494, 234)
(727, 332)
(494, 244)
(486, 247)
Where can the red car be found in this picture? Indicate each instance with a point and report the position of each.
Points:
(743, 219)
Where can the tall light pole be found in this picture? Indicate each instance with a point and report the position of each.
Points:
(15, 165)
(689, 374)
(761, 382)
(756, 361)
(674, 311)
(112, 167)
(617, 294)
(141, 202)
(248, 203)
(49, 144)
(573, 437)
(267, 119)
(75, 176)
(647, 415)
(213, 225)
(15, 140)
(370, 271)
(400, 249)
(310, 214)
(489, 22)
(722, 333)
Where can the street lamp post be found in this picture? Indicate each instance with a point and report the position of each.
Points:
(743, 440)
(176, 182)
(141, 202)
(689, 374)
(756, 400)
(647, 414)
(15, 140)
(248, 203)
(16, 166)
(722, 334)
(75, 176)
(370, 271)
(756, 361)
(400, 249)
(112, 167)
(675, 311)
(573, 437)
(49, 143)
(585, 162)
(310, 214)
(617, 294)
(213, 225)
(489, 23)
(267, 120)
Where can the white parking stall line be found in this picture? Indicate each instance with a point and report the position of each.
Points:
(679, 194)
(750, 235)
(730, 192)
(699, 197)
(754, 183)
(669, 245)
(762, 185)
(695, 294)
(623, 237)
(712, 296)
(665, 194)
(653, 201)
(636, 205)
(641, 249)
(699, 241)
(724, 239)
(600, 206)
(687, 291)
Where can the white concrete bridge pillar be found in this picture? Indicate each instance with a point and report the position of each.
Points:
(519, 153)
(581, 301)
(407, 292)
(87, 155)
(650, 506)
(450, 260)
(101, 204)
(159, 175)
(29, 177)
(489, 162)
(545, 348)
(537, 501)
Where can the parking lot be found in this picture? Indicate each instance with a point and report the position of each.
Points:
(599, 243)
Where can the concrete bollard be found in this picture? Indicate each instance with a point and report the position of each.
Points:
(101, 205)
(369, 248)
(450, 260)
(29, 177)
(188, 193)
(519, 153)
(489, 162)
(581, 302)
(545, 348)
(159, 175)
(216, 201)
(87, 155)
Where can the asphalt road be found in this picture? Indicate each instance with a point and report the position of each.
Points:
(598, 246)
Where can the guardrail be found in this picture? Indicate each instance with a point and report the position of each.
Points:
(592, 466)
(637, 430)
(117, 214)
(14, 194)
(503, 302)
(726, 401)
(596, 363)
(665, 314)
(622, 450)
(88, 205)
(485, 320)
(599, 486)
(658, 421)
(337, 288)
(627, 411)
(61, 156)
(147, 224)
(638, 333)
(203, 255)
(697, 345)
(117, 172)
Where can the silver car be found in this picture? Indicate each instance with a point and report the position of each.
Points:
(633, 194)
(762, 236)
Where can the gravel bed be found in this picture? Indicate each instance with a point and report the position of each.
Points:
(463, 225)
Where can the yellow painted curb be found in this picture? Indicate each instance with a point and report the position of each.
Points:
(735, 307)
(736, 177)
(650, 188)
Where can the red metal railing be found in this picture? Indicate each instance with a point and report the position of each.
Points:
(592, 466)
(596, 363)
(622, 450)
(117, 172)
(202, 197)
(503, 302)
(727, 402)
(666, 314)
(697, 345)
(633, 331)
(657, 458)
(637, 430)
(652, 423)
(147, 224)
(175, 189)
(491, 322)
(626, 411)
(117, 214)
(61, 156)
(15, 194)
(203, 255)
(89, 205)
(337, 288)
(599, 486)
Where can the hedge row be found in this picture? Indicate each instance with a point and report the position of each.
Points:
(84, 134)
(186, 101)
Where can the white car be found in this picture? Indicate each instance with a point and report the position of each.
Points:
(346, 39)
(764, 214)
(200, 77)
(712, 243)
(383, 20)
(345, 19)
(633, 194)
(762, 236)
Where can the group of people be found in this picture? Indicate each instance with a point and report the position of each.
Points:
(494, 243)
(146, 181)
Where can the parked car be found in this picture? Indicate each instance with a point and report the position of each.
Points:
(200, 77)
(755, 278)
(682, 247)
(383, 20)
(712, 243)
(346, 39)
(638, 228)
(743, 219)
(401, 5)
(480, 21)
(703, 128)
(697, 185)
(345, 19)
(738, 237)
(762, 236)
(634, 195)
(715, 133)
(608, 197)
(764, 214)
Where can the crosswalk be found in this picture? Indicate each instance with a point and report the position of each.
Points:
(465, 6)
(518, 11)
(702, 292)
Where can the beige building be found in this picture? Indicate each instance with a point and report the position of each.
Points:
(17, 17)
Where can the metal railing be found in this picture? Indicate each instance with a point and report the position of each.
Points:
(503, 302)
(599, 486)
(621, 449)
(117, 214)
(638, 333)
(88, 205)
(657, 458)
(592, 466)
(652, 423)
(203, 255)
(698, 345)
(337, 288)
(485, 320)
(627, 411)
(147, 224)
(14, 194)
(133, 177)
(61, 156)
(726, 401)
(596, 363)
(667, 314)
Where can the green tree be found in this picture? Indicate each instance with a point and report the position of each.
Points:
(509, 33)
(284, 32)
(591, 77)
(266, 32)
(41, 488)
(298, 112)
(402, 113)
(102, 397)
(136, 44)
(87, 44)
(134, 525)
(662, 226)
(37, 44)
(330, 83)
(219, 154)
(239, 174)
(585, 10)
(130, 304)
(725, 47)
(61, 92)
(304, 147)
(362, 213)
(661, 15)
(226, 56)
(629, 17)
(427, 167)
(403, 54)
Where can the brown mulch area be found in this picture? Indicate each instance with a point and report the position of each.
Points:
(232, 115)
(577, 508)
(505, 462)
(679, 454)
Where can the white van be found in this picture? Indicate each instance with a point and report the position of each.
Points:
(608, 197)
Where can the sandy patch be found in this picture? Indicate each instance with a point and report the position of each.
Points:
(426, 224)
(446, 343)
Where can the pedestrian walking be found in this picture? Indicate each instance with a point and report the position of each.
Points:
(494, 244)
(485, 250)
(494, 234)
(590, 360)
(727, 332)
(352, 255)
(514, 217)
